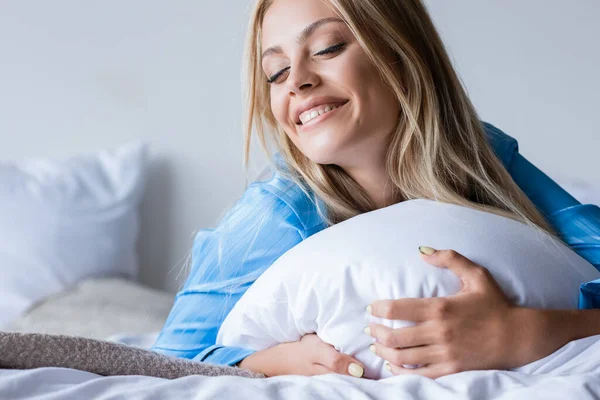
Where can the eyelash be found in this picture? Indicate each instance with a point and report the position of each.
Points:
(330, 50)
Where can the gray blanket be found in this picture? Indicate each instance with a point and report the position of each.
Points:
(34, 350)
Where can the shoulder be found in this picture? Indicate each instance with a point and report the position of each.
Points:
(270, 210)
(253, 233)
(260, 225)
(503, 145)
(280, 194)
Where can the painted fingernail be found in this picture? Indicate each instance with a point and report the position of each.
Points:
(369, 310)
(373, 349)
(356, 370)
(367, 330)
(427, 250)
(388, 366)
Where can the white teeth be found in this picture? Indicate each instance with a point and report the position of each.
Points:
(314, 113)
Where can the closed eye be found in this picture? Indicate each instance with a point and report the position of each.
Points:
(330, 50)
(333, 49)
(277, 75)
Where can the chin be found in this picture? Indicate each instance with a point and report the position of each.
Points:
(324, 152)
(324, 158)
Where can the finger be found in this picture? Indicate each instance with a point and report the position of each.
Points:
(341, 363)
(451, 260)
(470, 273)
(411, 336)
(408, 309)
(413, 355)
(429, 371)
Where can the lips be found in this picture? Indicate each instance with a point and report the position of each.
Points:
(314, 123)
(317, 111)
(316, 102)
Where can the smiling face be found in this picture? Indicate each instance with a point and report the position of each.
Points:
(325, 93)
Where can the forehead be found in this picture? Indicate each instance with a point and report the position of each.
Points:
(285, 19)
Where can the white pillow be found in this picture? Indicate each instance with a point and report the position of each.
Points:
(65, 220)
(324, 283)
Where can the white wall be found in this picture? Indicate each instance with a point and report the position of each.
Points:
(531, 67)
(76, 76)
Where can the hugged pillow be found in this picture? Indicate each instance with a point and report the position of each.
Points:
(65, 220)
(324, 283)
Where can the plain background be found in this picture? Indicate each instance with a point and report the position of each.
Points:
(78, 76)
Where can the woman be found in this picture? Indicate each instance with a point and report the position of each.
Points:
(365, 110)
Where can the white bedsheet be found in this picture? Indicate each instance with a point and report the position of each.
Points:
(572, 372)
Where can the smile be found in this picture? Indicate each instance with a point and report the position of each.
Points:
(318, 114)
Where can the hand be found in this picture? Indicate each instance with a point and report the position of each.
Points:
(310, 356)
(478, 328)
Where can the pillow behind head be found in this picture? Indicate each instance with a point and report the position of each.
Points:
(324, 283)
(65, 220)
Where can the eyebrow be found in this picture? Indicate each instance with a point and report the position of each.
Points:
(305, 34)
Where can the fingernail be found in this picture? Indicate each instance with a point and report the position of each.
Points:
(356, 370)
(427, 250)
(388, 366)
(369, 310)
(373, 349)
(367, 330)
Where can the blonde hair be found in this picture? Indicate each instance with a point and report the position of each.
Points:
(439, 149)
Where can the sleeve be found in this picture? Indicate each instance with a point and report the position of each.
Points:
(578, 225)
(225, 262)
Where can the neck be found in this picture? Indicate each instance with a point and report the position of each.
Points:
(375, 181)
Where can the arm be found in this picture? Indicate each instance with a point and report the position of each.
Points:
(545, 331)
(225, 262)
(473, 329)
(578, 225)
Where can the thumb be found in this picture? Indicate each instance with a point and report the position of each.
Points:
(342, 363)
(354, 368)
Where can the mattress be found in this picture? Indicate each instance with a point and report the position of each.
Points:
(109, 308)
(115, 307)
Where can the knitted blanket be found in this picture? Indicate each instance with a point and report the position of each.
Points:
(35, 350)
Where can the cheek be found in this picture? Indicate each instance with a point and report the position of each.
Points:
(378, 100)
(275, 107)
(279, 110)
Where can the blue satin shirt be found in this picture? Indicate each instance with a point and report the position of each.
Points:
(273, 216)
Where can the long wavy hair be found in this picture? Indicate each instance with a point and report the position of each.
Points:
(439, 148)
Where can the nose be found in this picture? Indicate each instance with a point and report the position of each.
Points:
(301, 79)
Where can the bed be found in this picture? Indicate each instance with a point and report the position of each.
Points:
(124, 311)
(571, 374)
(70, 293)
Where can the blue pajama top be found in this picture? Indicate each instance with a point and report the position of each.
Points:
(273, 216)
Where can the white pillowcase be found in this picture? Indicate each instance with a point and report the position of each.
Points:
(324, 283)
(65, 220)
